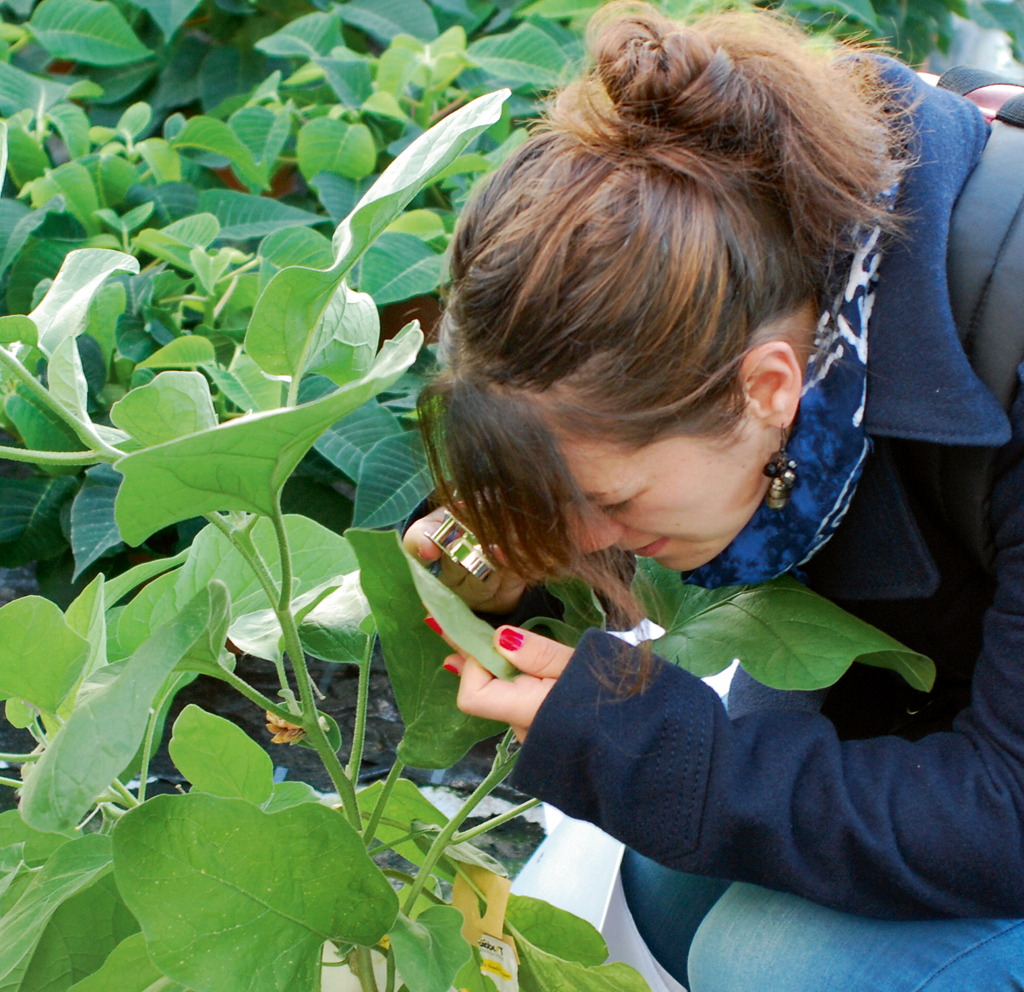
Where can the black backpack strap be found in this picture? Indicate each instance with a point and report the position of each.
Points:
(962, 79)
(985, 267)
(1012, 112)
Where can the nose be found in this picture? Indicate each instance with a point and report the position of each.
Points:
(599, 531)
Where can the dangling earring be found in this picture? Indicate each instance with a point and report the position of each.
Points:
(781, 469)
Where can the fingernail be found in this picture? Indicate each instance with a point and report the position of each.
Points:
(510, 639)
(433, 625)
(450, 668)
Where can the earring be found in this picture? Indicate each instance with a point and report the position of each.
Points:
(781, 469)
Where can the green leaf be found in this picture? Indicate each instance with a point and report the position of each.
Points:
(73, 181)
(119, 587)
(784, 635)
(205, 134)
(393, 480)
(333, 630)
(346, 342)
(332, 145)
(582, 607)
(430, 950)
(383, 19)
(242, 216)
(399, 266)
(418, 165)
(346, 443)
(286, 794)
(555, 931)
(437, 732)
(73, 127)
(246, 385)
(305, 37)
(41, 657)
(859, 11)
(230, 897)
(81, 933)
(350, 79)
(102, 735)
(189, 350)
(73, 867)
(174, 404)
(17, 328)
(175, 242)
(241, 465)
(405, 805)
(293, 246)
(168, 14)
(127, 969)
(540, 971)
(86, 616)
(38, 845)
(63, 311)
(525, 57)
(918, 670)
(86, 31)
(134, 121)
(20, 89)
(220, 758)
(93, 528)
(66, 377)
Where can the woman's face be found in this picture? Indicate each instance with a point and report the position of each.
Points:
(681, 500)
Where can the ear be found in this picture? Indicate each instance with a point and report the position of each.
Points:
(773, 377)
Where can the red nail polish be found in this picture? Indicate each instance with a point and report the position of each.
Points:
(510, 639)
(450, 668)
(433, 625)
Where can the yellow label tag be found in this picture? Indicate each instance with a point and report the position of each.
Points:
(499, 963)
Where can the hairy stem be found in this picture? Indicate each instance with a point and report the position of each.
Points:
(382, 801)
(147, 744)
(12, 782)
(495, 821)
(401, 876)
(297, 657)
(83, 431)
(129, 800)
(498, 771)
(361, 963)
(256, 696)
(389, 982)
(359, 731)
(20, 758)
(64, 457)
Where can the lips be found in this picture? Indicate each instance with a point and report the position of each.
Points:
(650, 550)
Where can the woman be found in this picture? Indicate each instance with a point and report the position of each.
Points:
(665, 294)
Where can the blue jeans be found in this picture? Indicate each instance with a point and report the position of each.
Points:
(716, 937)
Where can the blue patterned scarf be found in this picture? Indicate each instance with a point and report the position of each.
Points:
(827, 440)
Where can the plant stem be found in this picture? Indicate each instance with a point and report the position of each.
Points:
(412, 834)
(256, 696)
(147, 744)
(359, 731)
(382, 801)
(12, 782)
(297, 657)
(495, 821)
(64, 457)
(20, 758)
(498, 771)
(402, 876)
(129, 800)
(389, 982)
(84, 432)
(361, 963)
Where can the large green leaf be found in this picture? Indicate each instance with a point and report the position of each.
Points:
(326, 144)
(105, 730)
(555, 931)
(242, 216)
(174, 243)
(73, 867)
(188, 350)
(86, 31)
(232, 898)
(527, 56)
(399, 266)
(540, 971)
(346, 443)
(30, 512)
(437, 733)
(41, 657)
(241, 465)
(347, 340)
(393, 480)
(127, 969)
(305, 37)
(86, 616)
(174, 404)
(93, 528)
(293, 246)
(384, 19)
(73, 127)
(205, 134)
(333, 629)
(430, 950)
(783, 634)
(64, 309)
(81, 933)
(20, 89)
(220, 758)
(405, 805)
(168, 14)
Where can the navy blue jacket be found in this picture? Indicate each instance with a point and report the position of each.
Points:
(926, 824)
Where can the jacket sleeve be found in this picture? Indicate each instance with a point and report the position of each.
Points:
(880, 827)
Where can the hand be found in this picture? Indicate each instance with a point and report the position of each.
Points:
(540, 659)
(500, 592)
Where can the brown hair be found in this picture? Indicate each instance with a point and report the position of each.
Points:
(692, 188)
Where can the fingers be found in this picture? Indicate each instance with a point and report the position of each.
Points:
(531, 653)
(416, 541)
(515, 703)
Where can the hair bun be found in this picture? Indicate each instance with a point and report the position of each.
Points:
(657, 72)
